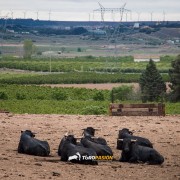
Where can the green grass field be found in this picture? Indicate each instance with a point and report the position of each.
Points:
(41, 100)
(88, 63)
(45, 100)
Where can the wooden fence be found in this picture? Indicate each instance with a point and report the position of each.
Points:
(137, 109)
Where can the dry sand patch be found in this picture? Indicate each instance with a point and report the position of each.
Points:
(164, 132)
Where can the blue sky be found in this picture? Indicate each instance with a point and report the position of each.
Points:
(82, 10)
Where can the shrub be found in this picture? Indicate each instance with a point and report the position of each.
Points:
(39, 53)
(121, 93)
(93, 110)
(3, 95)
(20, 96)
(79, 49)
(59, 95)
(99, 96)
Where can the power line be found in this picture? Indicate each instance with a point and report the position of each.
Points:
(103, 10)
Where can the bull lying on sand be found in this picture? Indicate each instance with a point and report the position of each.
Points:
(70, 151)
(126, 133)
(90, 132)
(100, 149)
(132, 152)
(29, 145)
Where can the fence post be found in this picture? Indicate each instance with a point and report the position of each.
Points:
(161, 109)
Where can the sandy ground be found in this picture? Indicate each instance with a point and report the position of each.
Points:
(99, 86)
(103, 86)
(164, 132)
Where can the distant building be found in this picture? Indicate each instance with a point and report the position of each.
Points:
(170, 42)
(144, 58)
(10, 30)
(136, 25)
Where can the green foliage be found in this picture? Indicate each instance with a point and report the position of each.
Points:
(94, 110)
(72, 78)
(29, 48)
(39, 53)
(79, 49)
(38, 100)
(96, 64)
(58, 94)
(172, 108)
(99, 96)
(174, 74)
(47, 93)
(20, 96)
(121, 93)
(151, 83)
(3, 95)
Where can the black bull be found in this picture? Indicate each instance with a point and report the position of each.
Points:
(125, 133)
(69, 150)
(29, 145)
(100, 149)
(132, 152)
(90, 132)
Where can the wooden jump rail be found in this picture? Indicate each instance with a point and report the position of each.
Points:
(137, 109)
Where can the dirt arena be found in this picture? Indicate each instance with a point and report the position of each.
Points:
(164, 132)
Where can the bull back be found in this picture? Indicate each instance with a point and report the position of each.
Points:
(30, 145)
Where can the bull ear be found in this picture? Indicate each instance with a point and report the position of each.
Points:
(22, 132)
(120, 140)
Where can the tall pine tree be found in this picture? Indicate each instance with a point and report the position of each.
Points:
(151, 83)
(174, 74)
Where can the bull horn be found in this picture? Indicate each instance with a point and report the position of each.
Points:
(66, 134)
(120, 139)
(133, 140)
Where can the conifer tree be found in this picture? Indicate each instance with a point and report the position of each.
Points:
(151, 83)
(174, 74)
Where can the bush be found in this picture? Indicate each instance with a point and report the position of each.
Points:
(93, 110)
(99, 96)
(121, 93)
(3, 95)
(79, 49)
(20, 96)
(39, 53)
(59, 95)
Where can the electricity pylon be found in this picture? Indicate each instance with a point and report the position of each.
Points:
(120, 10)
(112, 36)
